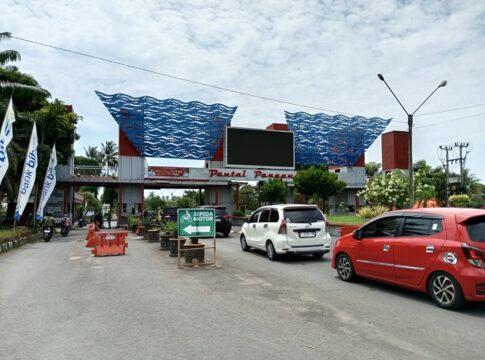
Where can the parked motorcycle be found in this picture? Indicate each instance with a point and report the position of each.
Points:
(47, 233)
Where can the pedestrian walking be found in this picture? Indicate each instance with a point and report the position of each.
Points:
(108, 217)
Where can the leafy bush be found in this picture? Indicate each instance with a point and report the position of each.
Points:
(7, 235)
(170, 227)
(459, 200)
(369, 212)
(238, 213)
(133, 222)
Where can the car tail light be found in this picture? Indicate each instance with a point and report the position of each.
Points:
(475, 256)
(283, 228)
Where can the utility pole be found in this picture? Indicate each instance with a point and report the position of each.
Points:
(462, 159)
(447, 149)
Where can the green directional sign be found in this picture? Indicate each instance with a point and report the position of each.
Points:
(196, 222)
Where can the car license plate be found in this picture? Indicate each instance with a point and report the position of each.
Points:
(307, 234)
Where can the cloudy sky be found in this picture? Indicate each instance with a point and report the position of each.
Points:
(324, 54)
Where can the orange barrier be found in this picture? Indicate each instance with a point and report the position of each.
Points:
(90, 233)
(110, 243)
(91, 236)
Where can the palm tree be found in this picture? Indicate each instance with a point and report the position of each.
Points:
(7, 86)
(93, 153)
(109, 155)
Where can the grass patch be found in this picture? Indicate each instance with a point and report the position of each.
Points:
(10, 234)
(346, 219)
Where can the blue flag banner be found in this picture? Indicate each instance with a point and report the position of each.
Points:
(49, 184)
(6, 134)
(28, 175)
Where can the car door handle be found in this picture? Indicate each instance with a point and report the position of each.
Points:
(254, 226)
(429, 249)
(386, 247)
(265, 226)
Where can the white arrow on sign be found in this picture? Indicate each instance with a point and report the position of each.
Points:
(197, 229)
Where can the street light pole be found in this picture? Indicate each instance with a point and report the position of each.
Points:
(410, 134)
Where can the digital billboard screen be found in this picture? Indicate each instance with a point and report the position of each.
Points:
(255, 148)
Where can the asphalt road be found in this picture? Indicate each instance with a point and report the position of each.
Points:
(57, 301)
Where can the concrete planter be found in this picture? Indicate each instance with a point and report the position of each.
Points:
(152, 235)
(12, 244)
(174, 246)
(165, 240)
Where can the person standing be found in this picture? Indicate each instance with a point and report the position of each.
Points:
(98, 218)
(108, 217)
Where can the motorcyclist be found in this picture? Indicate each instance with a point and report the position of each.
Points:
(66, 221)
(65, 225)
(48, 222)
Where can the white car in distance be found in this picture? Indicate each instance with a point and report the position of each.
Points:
(286, 229)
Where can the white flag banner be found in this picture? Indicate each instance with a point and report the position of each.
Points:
(28, 175)
(49, 184)
(6, 134)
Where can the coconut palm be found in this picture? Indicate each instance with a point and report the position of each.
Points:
(8, 83)
(109, 155)
(93, 153)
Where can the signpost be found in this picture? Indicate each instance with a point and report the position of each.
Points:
(196, 223)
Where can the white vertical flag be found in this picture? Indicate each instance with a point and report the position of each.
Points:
(28, 175)
(49, 183)
(6, 134)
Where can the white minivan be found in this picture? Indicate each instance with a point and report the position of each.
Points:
(286, 229)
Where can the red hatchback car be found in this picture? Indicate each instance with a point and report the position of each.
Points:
(440, 251)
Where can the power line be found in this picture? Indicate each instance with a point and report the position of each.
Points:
(219, 87)
(178, 77)
(450, 120)
(449, 110)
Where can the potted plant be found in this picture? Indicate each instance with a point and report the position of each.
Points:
(168, 230)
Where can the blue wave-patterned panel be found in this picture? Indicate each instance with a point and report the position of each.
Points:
(170, 128)
(332, 140)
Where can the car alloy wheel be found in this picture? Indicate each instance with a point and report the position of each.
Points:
(445, 291)
(244, 244)
(270, 250)
(345, 268)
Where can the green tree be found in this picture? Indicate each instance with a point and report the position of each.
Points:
(154, 202)
(248, 197)
(109, 196)
(372, 169)
(183, 202)
(318, 183)
(273, 190)
(92, 203)
(54, 123)
(109, 155)
(93, 154)
(12, 82)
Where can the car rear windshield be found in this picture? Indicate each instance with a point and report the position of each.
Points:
(476, 228)
(303, 215)
(221, 211)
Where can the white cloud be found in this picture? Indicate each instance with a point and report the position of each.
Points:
(321, 53)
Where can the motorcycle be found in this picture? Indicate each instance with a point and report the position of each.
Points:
(47, 233)
(80, 222)
(65, 226)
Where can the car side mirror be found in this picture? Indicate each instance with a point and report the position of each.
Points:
(358, 234)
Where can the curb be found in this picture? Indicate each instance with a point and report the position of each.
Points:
(12, 244)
